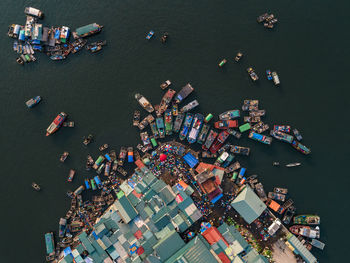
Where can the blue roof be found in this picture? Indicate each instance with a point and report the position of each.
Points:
(190, 160)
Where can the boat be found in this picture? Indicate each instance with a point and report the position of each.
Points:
(62, 227)
(87, 30)
(228, 161)
(165, 84)
(268, 74)
(87, 140)
(77, 45)
(31, 11)
(260, 138)
(300, 147)
(186, 127)
(178, 122)
(98, 162)
(36, 187)
(20, 61)
(175, 109)
(122, 155)
(226, 124)
(240, 150)
(71, 175)
(219, 141)
(257, 113)
(293, 164)
(15, 45)
(276, 196)
(154, 142)
(56, 124)
(282, 128)
(259, 188)
(122, 171)
(297, 134)
(260, 127)
(154, 129)
(275, 78)
(196, 126)
(33, 101)
(64, 156)
(168, 96)
(99, 170)
(252, 74)
(238, 56)
(93, 185)
(208, 118)
(317, 243)
(307, 220)
(145, 138)
(95, 48)
(103, 147)
(280, 190)
(184, 93)
(305, 231)
(229, 115)
(164, 37)
(262, 17)
(282, 136)
(276, 164)
(249, 105)
(251, 119)
(136, 118)
(285, 206)
(150, 35)
(288, 215)
(69, 124)
(203, 134)
(222, 63)
(107, 168)
(50, 246)
(144, 103)
(94, 45)
(146, 121)
(209, 141)
(57, 57)
(233, 167)
(160, 126)
(168, 120)
(87, 184)
(130, 154)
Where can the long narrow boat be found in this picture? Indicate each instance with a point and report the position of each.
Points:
(240, 150)
(168, 119)
(282, 128)
(144, 103)
(305, 231)
(300, 147)
(307, 220)
(184, 92)
(33, 101)
(136, 118)
(62, 227)
(50, 246)
(186, 127)
(219, 141)
(189, 106)
(225, 124)
(122, 155)
(229, 115)
(297, 134)
(196, 126)
(276, 196)
(154, 129)
(260, 138)
(209, 141)
(178, 122)
(282, 136)
(288, 215)
(168, 96)
(160, 126)
(56, 124)
(203, 134)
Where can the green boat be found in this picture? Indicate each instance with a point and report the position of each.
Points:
(50, 246)
(168, 119)
(244, 127)
(307, 220)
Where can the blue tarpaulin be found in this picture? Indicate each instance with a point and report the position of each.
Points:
(216, 198)
(190, 160)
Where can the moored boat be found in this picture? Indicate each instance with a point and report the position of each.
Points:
(196, 126)
(225, 124)
(33, 101)
(288, 215)
(164, 37)
(240, 150)
(229, 115)
(87, 30)
(260, 127)
(203, 134)
(178, 122)
(189, 106)
(71, 175)
(175, 109)
(234, 133)
(160, 126)
(144, 103)
(145, 122)
(56, 124)
(252, 74)
(154, 129)
(268, 74)
(145, 138)
(168, 96)
(300, 147)
(168, 120)
(260, 138)
(186, 127)
(219, 141)
(222, 63)
(276, 196)
(64, 156)
(103, 147)
(136, 118)
(282, 136)
(87, 140)
(280, 190)
(238, 56)
(210, 139)
(183, 93)
(307, 220)
(62, 227)
(122, 155)
(130, 154)
(208, 118)
(165, 84)
(31, 11)
(50, 246)
(262, 17)
(282, 128)
(305, 231)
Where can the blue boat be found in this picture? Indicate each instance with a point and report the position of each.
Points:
(160, 126)
(150, 35)
(98, 182)
(260, 138)
(33, 101)
(196, 126)
(186, 127)
(37, 48)
(87, 184)
(15, 45)
(269, 74)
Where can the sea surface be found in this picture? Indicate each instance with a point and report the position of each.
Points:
(309, 48)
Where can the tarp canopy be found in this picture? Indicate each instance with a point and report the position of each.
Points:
(190, 160)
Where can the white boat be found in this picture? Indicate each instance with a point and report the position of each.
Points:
(144, 103)
(275, 78)
(293, 164)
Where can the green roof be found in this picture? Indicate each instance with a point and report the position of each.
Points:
(168, 245)
(126, 210)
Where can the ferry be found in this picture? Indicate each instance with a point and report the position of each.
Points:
(144, 103)
(226, 124)
(183, 93)
(288, 215)
(160, 126)
(280, 190)
(136, 118)
(276, 196)
(50, 246)
(260, 138)
(222, 63)
(203, 134)
(300, 147)
(268, 74)
(209, 141)
(238, 56)
(130, 154)
(196, 126)
(64, 156)
(150, 35)
(154, 129)
(145, 138)
(240, 150)
(282, 136)
(229, 115)
(260, 127)
(293, 164)
(276, 79)
(31, 11)
(178, 122)
(305, 231)
(33, 101)
(175, 109)
(62, 227)
(165, 84)
(297, 134)
(168, 119)
(122, 155)
(219, 141)
(165, 101)
(56, 124)
(307, 220)
(164, 37)
(71, 175)
(282, 128)
(252, 74)
(186, 127)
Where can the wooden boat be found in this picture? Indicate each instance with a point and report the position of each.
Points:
(252, 74)
(288, 215)
(297, 134)
(33, 101)
(305, 231)
(276, 196)
(168, 96)
(196, 126)
(282, 128)
(64, 156)
(186, 127)
(293, 164)
(307, 220)
(160, 126)
(20, 61)
(178, 122)
(209, 141)
(189, 106)
(146, 121)
(219, 141)
(222, 63)
(203, 134)
(285, 206)
(122, 155)
(280, 190)
(71, 175)
(136, 118)
(238, 56)
(225, 124)
(88, 139)
(144, 103)
(275, 78)
(284, 137)
(269, 74)
(154, 129)
(150, 35)
(164, 37)
(103, 147)
(35, 186)
(175, 109)
(122, 171)
(300, 147)
(234, 133)
(262, 17)
(229, 115)
(240, 150)
(165, 84)
(260, 127)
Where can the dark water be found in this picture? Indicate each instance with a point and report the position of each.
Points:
(308, 49)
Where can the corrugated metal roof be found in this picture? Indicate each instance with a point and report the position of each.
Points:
(169, 245)
(303, 252)
(126, 210)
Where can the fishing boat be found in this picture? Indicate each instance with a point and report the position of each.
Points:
(275, 78)
(234, 133)
(33, 101)
(307, 220)
(145, 138)
(219, 141)
(229, 115)
(164, 37)
(226, 124)
(282, 136)
(98, 162)
(57, 57)
(318, 244)
(300, 147)
(305, 231)
(107, 168)
(31, 11)
(62, 227)
(178, 122)
(93, 185)
(260, 138)
(36, 187)
(56, 124)
(184, 93)
(282, 128)
(71, 175)
(238, 56)
(297, 134)
(103, 147)
(262, 17)
(87, 30)
(259, 188)
(209, 141)
(136, 118)
(280, 190)
(160, 126)
(150, 35)
(165, 84)
(260, 127)
(168, 120)
(99, 170)
(293, 164)
(50, 246)
(87, 184)
(252, 74)
(87, 140)
(175, 109)
(196, 126)
(276, 164)
(20, 61)
(95, 44)
(276, 196)
(146, 121)
(168, 96)
(249, 105)
(64, 156)
(257, 113)
(186, 127)
(285, 206)
(251, 119)
(154, 129)
(228, 161)
(222, 63)
(240, 150)
(144, 103)
(78, 44)
(288, 215)
(203, 134)
(122, 155)
(268, 74)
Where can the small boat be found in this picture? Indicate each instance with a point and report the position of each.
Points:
(209, 141)
(257, 113)
(259, 188)
(103, 147)
(20, 61)
(262, 17)
(219, 141)
(31, 11)
(69, 124)
(317, 243)
(122, 155)
(276, 196)
(78, 44)
(252, 119)
(95, 49)
(238, 56)
(130, 154)
(160, 126)
(93, 185)
(145, 122)
(164, 37)
(36, 187)
(305, 231)
(149, 35)
(275, 78)
(57, 57)
(62, 227)
(260, 138)
(56, 124)
(15, 45)
(288, 215)
(184, 93)
(280, 190)
(293, 164)
(222, 63)
(297, 134)
(276, 164)
(144, 103)
(71, 175)
(249, 105)
(186, 127)
(145, 138)
(240, 150)
(95, 44)
(168, 96)
(175, 109)
(234, 133)
(282, 136)
(229, 115)
(33, 101)
(252, 74)
(87, 140)
(196, 126)
(165, 84)
(260, 127)
(107, 168)
(178, 122)
(99, 170)
(307, 220)
(208, 118)
(225, 124)
(64, 156)
(203, 134)
(87, 184)
(154, 129)
(268, 74)
(282, 128)
(285, 206)
(300, 147)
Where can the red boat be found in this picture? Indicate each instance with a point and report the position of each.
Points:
(219, 141)
(225, 124)
(56, 124)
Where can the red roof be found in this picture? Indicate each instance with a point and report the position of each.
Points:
(138, 234)
(138, 195)
(212, 235)
(224, 258)
(139, 164)
(202, 166)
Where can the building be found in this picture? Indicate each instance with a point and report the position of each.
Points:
(299, 249)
